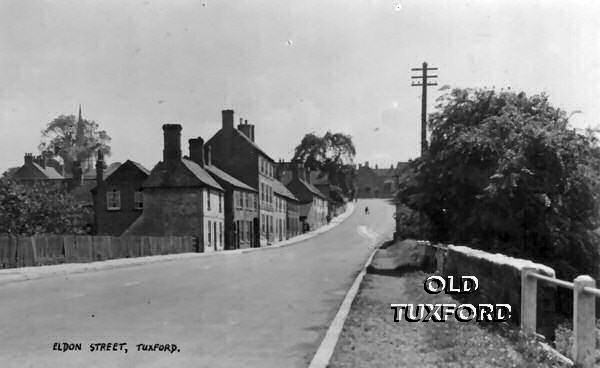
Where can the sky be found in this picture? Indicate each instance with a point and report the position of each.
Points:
(289, 67)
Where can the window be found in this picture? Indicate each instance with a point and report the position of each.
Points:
(113, 200)
(247, 195)
(209, 235)
(255, 198)
(138, 200)
(262, 191)
(262, 224)
(208, 199)
(220, 200)
(242, 199)
(270, 224)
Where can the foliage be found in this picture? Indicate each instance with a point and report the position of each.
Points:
(40, 208)
(318, 153)
(410, 225)
(62, 139)
(332, 153)
(504, 172)
(564, 339)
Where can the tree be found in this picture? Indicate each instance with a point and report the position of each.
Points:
(40, 208)
(332, 153)
(74, 139)
(505, 172)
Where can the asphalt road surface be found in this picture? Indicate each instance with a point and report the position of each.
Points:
(268, 308)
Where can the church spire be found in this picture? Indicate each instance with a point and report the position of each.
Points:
(79, 135)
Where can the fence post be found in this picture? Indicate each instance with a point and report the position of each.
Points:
(528, 301)
(584, 322)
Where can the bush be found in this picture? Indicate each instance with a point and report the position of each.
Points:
(39, 208)
(505, 173)
(563, 341)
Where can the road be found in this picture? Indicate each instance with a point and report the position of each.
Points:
(268, 308)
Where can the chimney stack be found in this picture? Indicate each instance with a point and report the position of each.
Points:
(227, 120)
(172, 142)
(28, 158)
(209, 155)
(77, 173)
(100, 169)
(251, 131)
(197, 150)
(299, 172)
(247, 129)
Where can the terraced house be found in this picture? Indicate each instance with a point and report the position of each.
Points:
(235, 152)
(240, 201)
(287, 218)
(181, 198)
(312, 204)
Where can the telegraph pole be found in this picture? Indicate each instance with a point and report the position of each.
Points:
(424, 83)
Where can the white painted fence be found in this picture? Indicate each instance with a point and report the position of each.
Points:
(584, 311)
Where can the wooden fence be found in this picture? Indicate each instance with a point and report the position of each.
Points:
(584, 312)
(23, 251)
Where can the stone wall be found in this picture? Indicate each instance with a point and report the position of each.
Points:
(499, 281)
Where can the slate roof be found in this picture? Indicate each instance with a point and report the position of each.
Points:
(114, 166)
(280, 189)
(227, 178)
(11, 171)
(254, 145)
(244, 137)
(311, 188)
(49, 172)
(201, 174)
(184, 173)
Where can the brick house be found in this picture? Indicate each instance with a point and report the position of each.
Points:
(240, 200)
(235, 152)
(36, 169)
(312, 203)
(287, 215)
(181, 198)
(117, 196)
(375, 182)
(336, 204)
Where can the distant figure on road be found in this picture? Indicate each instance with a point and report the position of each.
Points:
(366, 210)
